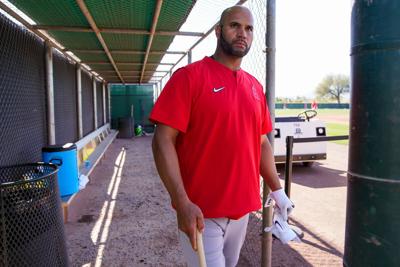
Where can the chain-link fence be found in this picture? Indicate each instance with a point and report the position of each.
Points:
(22, 90)
(65, 104)
(23, 108)
(255, 61)
(87, 104)
(255, 64)
(99, 103)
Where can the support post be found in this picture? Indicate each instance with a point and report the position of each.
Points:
(79, 99)
(51, 131)
(94, 102)
(104, 102)
(266, 247)
(109, 102)
(157, 90)
(372, 236)
(190, 57)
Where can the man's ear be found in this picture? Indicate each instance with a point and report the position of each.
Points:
(218, 30)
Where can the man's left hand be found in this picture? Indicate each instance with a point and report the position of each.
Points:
(284, 204)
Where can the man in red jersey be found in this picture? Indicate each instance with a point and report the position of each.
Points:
(208, 163)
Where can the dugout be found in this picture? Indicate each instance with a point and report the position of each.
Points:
(59, 63)
(57, 68)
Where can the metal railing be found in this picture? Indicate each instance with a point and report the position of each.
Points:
(290, 140)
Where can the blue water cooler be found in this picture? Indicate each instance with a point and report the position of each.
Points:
(65, 157)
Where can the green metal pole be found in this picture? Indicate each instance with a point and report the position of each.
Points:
(373, 196)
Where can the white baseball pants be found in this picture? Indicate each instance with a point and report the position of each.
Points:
(222, 238)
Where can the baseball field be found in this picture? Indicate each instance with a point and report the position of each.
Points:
(337, 120)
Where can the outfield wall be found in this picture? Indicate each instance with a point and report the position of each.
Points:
(308, 106)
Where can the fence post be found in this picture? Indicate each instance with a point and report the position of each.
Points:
(189, 56)
(103, 89)
(94, 100)
(79, 99)
(288, 164)
(266, 242)
(51, 125)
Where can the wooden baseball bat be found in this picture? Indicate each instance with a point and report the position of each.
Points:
(200, 250)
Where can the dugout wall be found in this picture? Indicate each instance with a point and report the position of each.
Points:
(138, 97)
(24, 120)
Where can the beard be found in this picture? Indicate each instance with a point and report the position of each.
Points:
(229, 49)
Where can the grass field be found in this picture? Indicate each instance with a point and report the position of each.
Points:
(321, 112)
(336, 120)
(334, 129)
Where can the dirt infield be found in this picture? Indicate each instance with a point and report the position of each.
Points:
(123, 218)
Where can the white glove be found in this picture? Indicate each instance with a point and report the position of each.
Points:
(284, 204)
(281, 229)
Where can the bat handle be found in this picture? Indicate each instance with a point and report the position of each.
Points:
(200, 249)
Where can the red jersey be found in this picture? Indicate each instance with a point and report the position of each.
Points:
(221, 115)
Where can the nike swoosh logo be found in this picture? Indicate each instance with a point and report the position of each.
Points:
(218, 89)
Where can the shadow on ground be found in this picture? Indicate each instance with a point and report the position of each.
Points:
(313, 251)
(124, 216)
(317, 176)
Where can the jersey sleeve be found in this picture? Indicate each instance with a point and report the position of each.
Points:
(173, 106)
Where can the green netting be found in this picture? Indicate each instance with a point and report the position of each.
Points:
(52, 12)
(132, 90)
(137, 14)
(128, 58)
(118, 90)
(77, 40)
(133, 68)
(161, 42)
(140, 90)
(125, 41)
(153, 58)
(128, 77)
(132, 14)
(92, 57)
(123, 97)
(102, 67)
(173, 14)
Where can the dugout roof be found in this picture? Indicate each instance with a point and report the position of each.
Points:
(123, 41)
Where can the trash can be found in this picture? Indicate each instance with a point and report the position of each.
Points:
(65, 157)
(31, 224)
(126, 127)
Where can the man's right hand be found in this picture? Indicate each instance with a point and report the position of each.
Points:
(190, 219)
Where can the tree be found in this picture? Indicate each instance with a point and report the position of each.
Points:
(333, 87)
